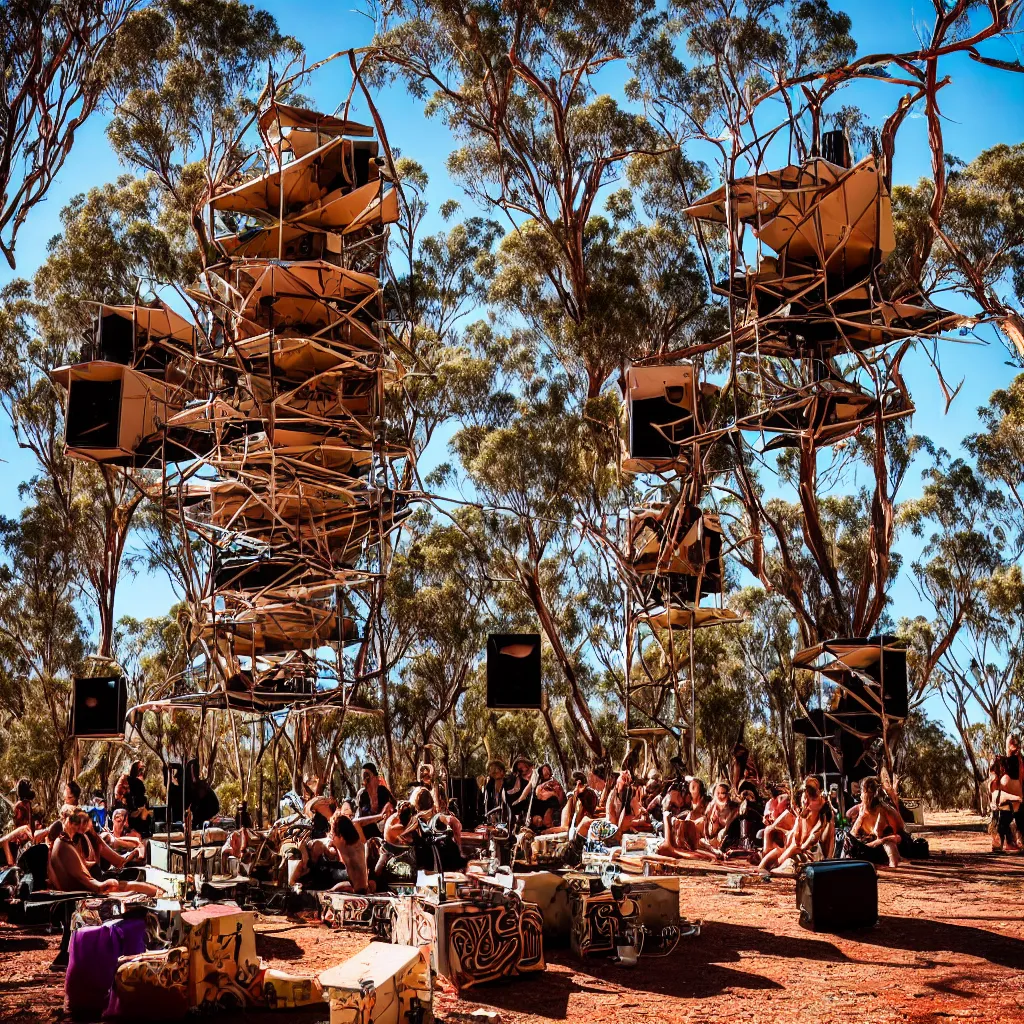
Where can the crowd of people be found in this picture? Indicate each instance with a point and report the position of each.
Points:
(377, 837)
(362, 843)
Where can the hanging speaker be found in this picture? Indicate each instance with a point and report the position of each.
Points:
(513, 671)
(99, 705)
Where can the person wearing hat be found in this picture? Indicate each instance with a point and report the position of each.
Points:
(23, 821)
(520, 787)
(495, 798)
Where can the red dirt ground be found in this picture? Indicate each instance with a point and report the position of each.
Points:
(949, 947)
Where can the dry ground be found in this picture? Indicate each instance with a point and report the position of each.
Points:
(949, 947)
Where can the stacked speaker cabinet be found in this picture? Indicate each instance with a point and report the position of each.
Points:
(867, 677)
(278, 406)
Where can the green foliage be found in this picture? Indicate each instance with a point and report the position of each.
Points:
(934, 766)
(182, 76)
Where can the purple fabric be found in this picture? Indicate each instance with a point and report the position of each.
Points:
(92, 962)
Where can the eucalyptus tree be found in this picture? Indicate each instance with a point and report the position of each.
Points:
(186, 78)
(54, 79)
(42, 639)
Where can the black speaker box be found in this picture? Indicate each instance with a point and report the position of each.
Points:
(513, 671)
(94, 409)
(464, 800)
(837, 895)
(889, 672)
(820, 741)
(116, 337)
(99, 705)
(656, 425)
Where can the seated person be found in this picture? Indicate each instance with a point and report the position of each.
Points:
(520, 786)
(721, 813)
(805, 840)
(374, 802)
(237, 847)
(681, 831)
(494, 796)
(580, 810)
(121, 837)
(570, 809)
(402, 826)
(72, 793)
(122, 794)
(426, 811)
(654, 793)
(426, 779)
(743, 831)
(99, 857)
(875, 830)
(24, 823)
(601, 779)
(320, 809)
(546, 809)
(673, 808)
(349, 845)
(698, 804)
(67, 868)
(398, 860)
(778, 820)
(621, 813)
(623, 806)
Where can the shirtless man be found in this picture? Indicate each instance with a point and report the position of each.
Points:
(779, 819)
(722, 811)
(806, 834)
(874, 824)
(427, 812)
(624, 803)
(349, 845)
(68, 871)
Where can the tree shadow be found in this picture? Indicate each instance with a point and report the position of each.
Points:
(930, 936)
(954, 985)
(277, 947)
(699, 968)
(22, 943)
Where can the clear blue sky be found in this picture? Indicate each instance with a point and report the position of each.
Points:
(981, 107)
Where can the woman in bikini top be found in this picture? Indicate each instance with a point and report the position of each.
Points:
(1011, 777)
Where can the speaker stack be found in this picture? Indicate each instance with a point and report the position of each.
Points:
(513, 671)
(99, 705)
